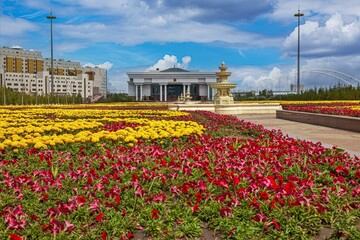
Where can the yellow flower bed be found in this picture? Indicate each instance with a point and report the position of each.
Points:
(40, 127)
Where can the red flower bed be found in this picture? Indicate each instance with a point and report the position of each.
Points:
(333, 109)
(238, 178)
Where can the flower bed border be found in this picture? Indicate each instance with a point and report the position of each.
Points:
(333, 121)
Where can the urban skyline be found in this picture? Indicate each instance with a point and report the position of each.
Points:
(257, 39)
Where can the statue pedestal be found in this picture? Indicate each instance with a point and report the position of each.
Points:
(223, 100)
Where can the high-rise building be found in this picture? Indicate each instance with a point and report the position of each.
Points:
(27, 71)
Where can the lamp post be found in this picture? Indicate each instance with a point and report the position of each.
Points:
(4, 87)
(22, 88)
(36, 92)
(298, 15)
(51, 17)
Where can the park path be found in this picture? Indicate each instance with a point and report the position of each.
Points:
(329, 137)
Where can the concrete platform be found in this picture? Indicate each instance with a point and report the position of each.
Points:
(329, 137)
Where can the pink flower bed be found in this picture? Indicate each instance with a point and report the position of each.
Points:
(238, 180)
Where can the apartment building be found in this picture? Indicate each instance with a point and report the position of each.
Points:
(27, 71)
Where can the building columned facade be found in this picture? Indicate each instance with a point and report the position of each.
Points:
(27, 71)
(171, 84)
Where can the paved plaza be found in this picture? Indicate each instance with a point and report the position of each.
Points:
(329, 137)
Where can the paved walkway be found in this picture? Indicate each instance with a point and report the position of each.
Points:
(329, 137)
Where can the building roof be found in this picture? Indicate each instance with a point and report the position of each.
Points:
(174, 69)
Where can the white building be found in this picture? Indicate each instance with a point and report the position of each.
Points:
(170, 84)
(27, 71)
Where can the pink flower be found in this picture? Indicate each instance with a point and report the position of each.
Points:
(260, 217)
(225, 211)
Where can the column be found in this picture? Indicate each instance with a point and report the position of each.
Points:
(184, 91)
(161, 93)
(208, 92)
(136, 93)
(165, 93)
(141, 93)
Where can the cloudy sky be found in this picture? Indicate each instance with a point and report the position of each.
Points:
(257, 39)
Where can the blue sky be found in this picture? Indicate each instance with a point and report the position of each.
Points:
(257, 39)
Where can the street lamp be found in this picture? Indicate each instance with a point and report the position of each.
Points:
(51, 17)
(298, 15)
(36, 84)
(4, 89)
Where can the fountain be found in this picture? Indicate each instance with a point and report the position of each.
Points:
(223, 100)
(223, 94)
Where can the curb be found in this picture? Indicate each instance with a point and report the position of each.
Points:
(326, 120)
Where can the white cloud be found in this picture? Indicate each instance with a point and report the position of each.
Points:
(105, 65)
(256, 78)
(315, 73)
(171, 61)
(334, 38)
(141, 30)
(286, 9)
(16, 26)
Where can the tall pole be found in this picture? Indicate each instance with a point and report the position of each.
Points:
(36, 84)
(4, 87)
(51, 17)
(298, 15)
(22, 88)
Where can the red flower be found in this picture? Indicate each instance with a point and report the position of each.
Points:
(130, 235)
(289, 187)
(44, 197)
(276, 224)
(163, 163)
(155, 214)
(272, 204)
(123, 213)
(81, 200)
(264, 195)
(236, 181)
(357, 175)
(99, 217)
(225, 211)
(198, 197)
(15, 237)
(232, 231)
(89, 180)
(134, 177)
(117, 199)
(195, 208)
(103, 235)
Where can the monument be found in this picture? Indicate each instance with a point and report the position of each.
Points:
(223, 87)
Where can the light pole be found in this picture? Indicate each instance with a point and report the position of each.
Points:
(22, 88)
(36, 84)
(51, 17)
(298, 15)
(4, 88)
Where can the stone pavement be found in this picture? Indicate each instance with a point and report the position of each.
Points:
(329, 137)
